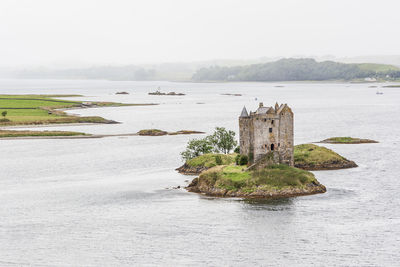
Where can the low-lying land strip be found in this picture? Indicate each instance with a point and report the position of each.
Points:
(168, 94)
(10, 134)
(27, 134)
(347, 140)
(275, 181)
(158, 132)
(44, 109)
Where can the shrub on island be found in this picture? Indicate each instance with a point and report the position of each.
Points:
(205, 162)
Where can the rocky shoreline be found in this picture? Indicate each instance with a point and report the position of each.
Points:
(310, 189)
(334, 165)
(191, 170)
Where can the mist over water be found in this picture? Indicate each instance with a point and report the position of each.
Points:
(104, 202)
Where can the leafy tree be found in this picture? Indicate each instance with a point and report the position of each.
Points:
(4, 113)
(222, 140)
(197, 147)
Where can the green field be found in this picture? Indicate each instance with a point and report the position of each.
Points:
(377, 67)
(8, 133)
(42, 109)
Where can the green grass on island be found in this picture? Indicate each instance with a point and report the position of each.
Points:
(274, 177)
(306, 156)
(10, 134)
(313, 154)
(152, 132)
(44, 109)
(211, 160)
(313, 157)
(347, 140)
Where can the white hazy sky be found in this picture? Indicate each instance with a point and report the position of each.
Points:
(40, 32)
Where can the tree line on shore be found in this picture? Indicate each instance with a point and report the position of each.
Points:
(292, 69)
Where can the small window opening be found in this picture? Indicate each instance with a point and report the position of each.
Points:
(270, 130)
(272, 122)
(272, 147)
(279, 144)
(265, 120)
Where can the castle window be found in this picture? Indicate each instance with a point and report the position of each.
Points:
(272, 122)
(272, 147)
(265, 120)
(270, 130)
(279, 144)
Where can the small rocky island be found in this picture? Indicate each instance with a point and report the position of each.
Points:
(158, 132)
(315, 158)
(263, 166)
(347, 140)
(273, 181)
(158, 92)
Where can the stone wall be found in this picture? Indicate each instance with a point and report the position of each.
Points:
(245, 135)
(286, 137)
(263, 138)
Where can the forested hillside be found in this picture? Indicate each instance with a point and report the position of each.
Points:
(297, 70)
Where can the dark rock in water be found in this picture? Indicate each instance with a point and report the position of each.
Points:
(122, 93)
(193, 183)
(169, 94)
(232, 94)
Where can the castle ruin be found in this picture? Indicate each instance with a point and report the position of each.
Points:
(267, 131)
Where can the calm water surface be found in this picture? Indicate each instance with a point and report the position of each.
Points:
(104, 202)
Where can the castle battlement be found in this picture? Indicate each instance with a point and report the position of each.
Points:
(267, 130)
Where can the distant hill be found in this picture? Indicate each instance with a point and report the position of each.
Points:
(293, 69)
(179, 71)
(262, 69)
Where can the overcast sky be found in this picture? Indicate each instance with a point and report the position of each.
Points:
(43, 32)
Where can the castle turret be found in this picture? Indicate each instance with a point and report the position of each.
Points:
(244, 112)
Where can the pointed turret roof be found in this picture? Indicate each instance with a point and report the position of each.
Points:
(244, 112)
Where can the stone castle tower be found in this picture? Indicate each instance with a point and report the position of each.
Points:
(267, 130)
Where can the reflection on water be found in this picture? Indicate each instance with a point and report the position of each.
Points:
(104, 202)
(267, 204)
